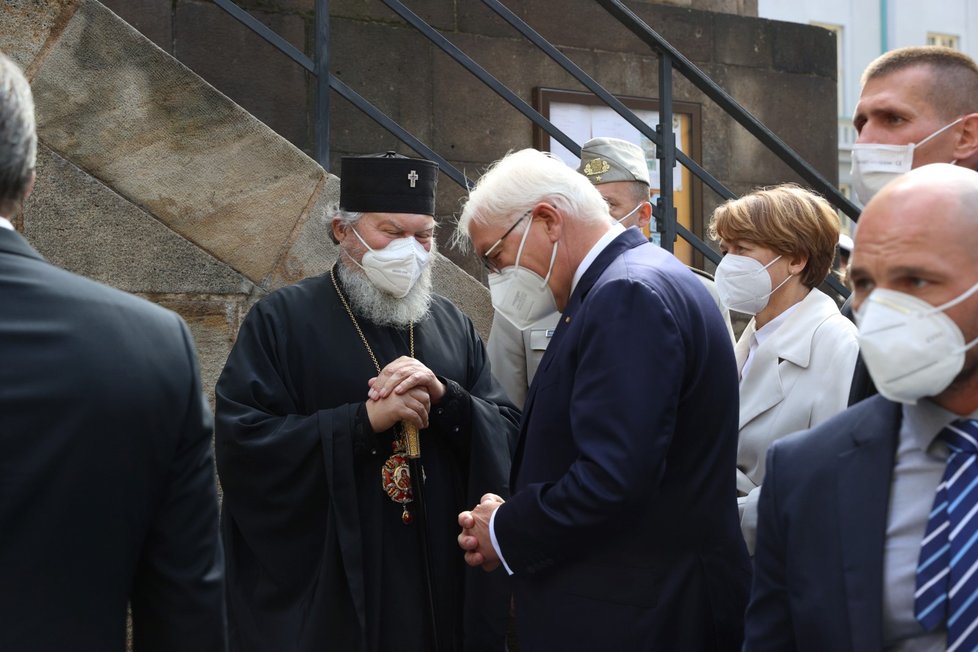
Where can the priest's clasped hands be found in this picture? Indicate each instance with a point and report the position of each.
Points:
(475, 539)
(404, 390)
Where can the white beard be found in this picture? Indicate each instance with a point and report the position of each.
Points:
(375, 305)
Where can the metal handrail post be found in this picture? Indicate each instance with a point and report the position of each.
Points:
(482, 74)
(322, 83)
(730, 106)
(627, 114)
(666, 218)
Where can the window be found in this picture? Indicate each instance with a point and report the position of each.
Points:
(947, 40)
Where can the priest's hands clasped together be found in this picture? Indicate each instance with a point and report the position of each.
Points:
(405, 390)
(475, 539)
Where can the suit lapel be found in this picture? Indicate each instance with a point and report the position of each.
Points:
(864, 474)
(629, 239)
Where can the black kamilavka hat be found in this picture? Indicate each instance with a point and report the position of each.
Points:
(388, 183)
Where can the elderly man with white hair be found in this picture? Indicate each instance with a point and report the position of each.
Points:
(622, 530)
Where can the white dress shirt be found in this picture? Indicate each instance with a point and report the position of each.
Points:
(5, 223)
(919, 466)
(763, 333)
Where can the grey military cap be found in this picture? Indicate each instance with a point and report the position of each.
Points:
(604, 160)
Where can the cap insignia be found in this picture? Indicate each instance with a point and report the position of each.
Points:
(596, 166)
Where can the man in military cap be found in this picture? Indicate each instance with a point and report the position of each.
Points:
(329, 545)
(618, 169)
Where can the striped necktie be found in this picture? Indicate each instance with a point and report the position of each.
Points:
(947, 572)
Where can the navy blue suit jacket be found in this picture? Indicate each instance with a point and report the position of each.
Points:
(107, 488)
(622, 531)
(818, 566)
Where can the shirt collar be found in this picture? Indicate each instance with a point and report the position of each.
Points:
(599, 246)
(926, 419)
(5, 223)
(767, 330)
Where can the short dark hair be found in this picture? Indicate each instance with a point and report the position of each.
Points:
(954, 80)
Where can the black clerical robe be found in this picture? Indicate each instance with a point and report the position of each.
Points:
(317, 555)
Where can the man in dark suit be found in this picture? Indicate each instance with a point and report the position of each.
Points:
(622, 531)
(847, 514)
(107, 489)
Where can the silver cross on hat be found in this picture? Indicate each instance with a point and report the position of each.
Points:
(413, 177)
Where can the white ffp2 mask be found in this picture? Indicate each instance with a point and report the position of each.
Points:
(521, 295)
(911, 348)
(395, 268)
(743, 283)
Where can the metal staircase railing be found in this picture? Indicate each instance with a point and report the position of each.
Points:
(670, 61)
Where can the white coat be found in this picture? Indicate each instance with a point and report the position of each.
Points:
(799, 377)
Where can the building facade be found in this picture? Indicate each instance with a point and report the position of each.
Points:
(865, 29)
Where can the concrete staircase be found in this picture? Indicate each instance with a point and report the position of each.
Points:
(154, 182)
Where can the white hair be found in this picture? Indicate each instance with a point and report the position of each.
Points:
(519, 181)
(18, 134)
(373, 304)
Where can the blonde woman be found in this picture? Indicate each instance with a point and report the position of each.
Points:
(797, 354)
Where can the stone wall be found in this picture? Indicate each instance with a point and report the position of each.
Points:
(172, 157)
(154, 182)
(784, 73)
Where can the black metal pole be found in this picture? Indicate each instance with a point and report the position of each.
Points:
(322, 83)
(723, 99)
(666, 155)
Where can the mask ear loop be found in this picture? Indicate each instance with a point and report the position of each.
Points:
(955, 301)
(950, 304)
(787, 278)
(550, 270)
(348, 255)
(630, 213)
(519, 252)
(939, 131)
(362, 241)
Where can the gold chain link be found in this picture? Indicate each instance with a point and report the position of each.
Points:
(356, 325)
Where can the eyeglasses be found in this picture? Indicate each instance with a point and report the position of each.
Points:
(485, 257)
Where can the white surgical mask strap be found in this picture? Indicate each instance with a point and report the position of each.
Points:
(629, 214)
(786, 279)
(955, 301)
(352, 259)
(519, 251)
(939, 132)
(362, 241)
(550, 270)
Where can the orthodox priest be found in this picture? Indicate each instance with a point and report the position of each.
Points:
(338, 536)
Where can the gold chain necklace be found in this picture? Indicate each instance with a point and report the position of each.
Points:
(396, 472)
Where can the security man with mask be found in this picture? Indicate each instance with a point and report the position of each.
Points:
(618, 169)
(329, 545)
(918, 105)
(867, 523)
